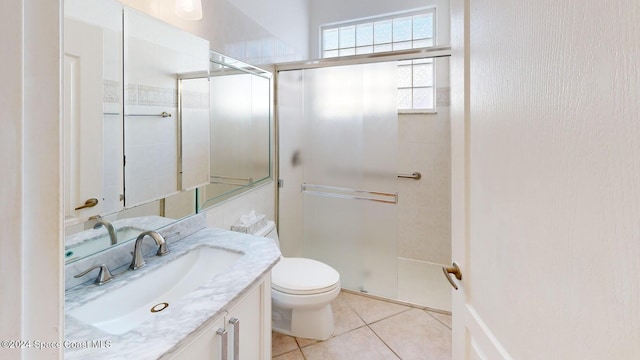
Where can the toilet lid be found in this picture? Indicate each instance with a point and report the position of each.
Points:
(300, 276)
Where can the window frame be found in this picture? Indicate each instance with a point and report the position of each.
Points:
(353, 50)
(432, 87)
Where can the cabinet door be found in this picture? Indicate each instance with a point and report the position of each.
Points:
(249, 325)
(156, 56)
(205, 345)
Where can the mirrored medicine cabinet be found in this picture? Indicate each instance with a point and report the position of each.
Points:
(240, 112)
(156, 126)
(127, 167)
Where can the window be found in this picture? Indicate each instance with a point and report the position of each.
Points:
(415, 84)
(416, 90)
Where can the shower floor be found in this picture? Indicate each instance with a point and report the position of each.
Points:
(422, 283)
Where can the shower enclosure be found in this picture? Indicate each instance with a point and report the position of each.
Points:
(345, 196)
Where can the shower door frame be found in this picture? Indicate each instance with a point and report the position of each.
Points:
(412, 54)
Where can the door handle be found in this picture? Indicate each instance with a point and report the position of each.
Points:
(455, 270)
(415, 176)
(88, 204)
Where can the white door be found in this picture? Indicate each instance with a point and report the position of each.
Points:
(546, 179)
(83, 119)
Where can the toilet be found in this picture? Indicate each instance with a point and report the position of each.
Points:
(301, 293)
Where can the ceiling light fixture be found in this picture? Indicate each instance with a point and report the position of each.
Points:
(189, 9)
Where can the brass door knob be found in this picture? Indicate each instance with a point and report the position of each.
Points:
(455, 270)
(88, 204)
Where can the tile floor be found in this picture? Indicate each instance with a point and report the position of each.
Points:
(371, 329)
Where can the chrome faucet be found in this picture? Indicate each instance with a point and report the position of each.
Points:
(138, 259)
(109, 226)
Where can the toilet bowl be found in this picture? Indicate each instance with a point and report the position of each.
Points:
(301, 293)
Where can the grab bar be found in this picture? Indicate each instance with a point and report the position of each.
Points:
(331, 191)
(415, 176)
(164, 114)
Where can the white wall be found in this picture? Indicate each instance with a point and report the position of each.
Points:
(255, 31)
(322, 12)
(31, 290)
(287, 20)
(553, 265)
(12, 182)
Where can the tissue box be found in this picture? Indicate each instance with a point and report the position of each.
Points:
(255, 224)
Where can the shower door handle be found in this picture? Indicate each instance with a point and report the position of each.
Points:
(455, 270)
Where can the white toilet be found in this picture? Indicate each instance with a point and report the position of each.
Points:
(301, 293)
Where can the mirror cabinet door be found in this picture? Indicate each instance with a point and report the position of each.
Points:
(156, 56)
(240, 110)
(92, 108)
(261, 132)
(194, 125)
(231, 131)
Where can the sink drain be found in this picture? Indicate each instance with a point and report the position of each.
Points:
(159, 307)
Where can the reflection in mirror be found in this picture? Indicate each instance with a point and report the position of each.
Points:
(92, 109)
(194, 131)
(118, 86)
(240, 113)
(156, 55)
(101, 232)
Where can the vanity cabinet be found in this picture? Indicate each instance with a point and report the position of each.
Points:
(245, 326)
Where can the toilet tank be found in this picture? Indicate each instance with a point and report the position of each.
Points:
(269, 231)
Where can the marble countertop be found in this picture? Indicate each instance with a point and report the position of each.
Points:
(160, 334)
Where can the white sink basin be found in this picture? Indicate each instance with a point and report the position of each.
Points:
(126, 307)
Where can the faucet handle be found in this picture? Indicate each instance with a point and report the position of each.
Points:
(104, 276)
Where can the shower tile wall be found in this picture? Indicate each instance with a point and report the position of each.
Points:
(424, 224)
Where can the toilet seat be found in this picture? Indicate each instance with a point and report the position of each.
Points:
(300, 276)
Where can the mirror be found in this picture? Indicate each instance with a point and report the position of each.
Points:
(97, 234)
(240, 113)
(126, 168)
(92, 109)
(156, 57)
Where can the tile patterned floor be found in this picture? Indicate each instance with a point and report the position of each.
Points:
(371, 329)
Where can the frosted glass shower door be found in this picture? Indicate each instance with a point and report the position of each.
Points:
(345, 159)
